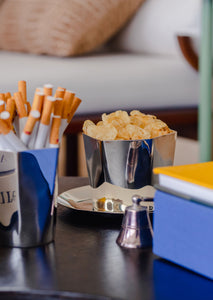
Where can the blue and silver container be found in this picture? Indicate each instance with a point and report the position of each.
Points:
(27, 197)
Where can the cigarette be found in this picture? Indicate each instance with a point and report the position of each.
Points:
(16, 124)
(39, 90)
(28, 106)
(2, 105)
(61, 88)
(2, 97)
(76, 102)
(5, 115)
(7, 96)
(4, 145)
(58, 106)
(31, 120)
(54, 132)
(44, 125)
(69, 115)
(21, 109)
(31, 143)
(4, 126)
(14, 142)
(42, 135)
(11, 107)
(47, 109)
(19, 123)
(22, 88)
(59, 93)
(36, 105)
(68, 100)
(29, 126)
(38, 101)
(48, 89)
(67, 103)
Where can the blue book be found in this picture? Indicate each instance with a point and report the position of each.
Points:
(183, 232)
(174, 282)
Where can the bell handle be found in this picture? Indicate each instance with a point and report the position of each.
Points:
(136, 199)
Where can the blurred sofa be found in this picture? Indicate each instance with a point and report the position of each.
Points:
(141, 66)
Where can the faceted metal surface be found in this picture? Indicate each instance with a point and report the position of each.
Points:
(127, 164)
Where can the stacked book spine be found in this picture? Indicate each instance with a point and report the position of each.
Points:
(183, 218)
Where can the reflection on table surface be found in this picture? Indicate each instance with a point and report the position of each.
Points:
(86, 260)
(28, 268)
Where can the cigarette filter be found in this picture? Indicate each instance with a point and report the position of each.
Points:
(4, 127)
(5, 115)
(58, 107)
(47, 109)
(2, 105)
(34, 115)
(22, 88)
(69, 115)
(2, 97)
(76, 102)
(7, 96)
(39, 90)
(29, 126)
(61, 88)
(54, 132)
(11, 107)
(38, 101)
(21, 109)
(59, 93)
(28, 107)
(48, 89)
(68, 100)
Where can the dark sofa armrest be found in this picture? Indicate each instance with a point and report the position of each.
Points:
(185, 43)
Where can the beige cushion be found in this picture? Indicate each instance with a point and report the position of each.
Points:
(107, 82)
(155, 27)
(61, 27)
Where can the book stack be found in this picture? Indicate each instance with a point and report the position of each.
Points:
(183, 218)
(173, 282)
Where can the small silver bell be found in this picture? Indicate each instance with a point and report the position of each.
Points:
(136, 230)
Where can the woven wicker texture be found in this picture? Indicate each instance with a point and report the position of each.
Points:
(61, 27)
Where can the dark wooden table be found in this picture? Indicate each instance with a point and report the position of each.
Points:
(85, 262)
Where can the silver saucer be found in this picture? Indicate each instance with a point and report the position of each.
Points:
(80, 199)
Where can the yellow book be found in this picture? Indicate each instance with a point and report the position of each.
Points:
(193, 180)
